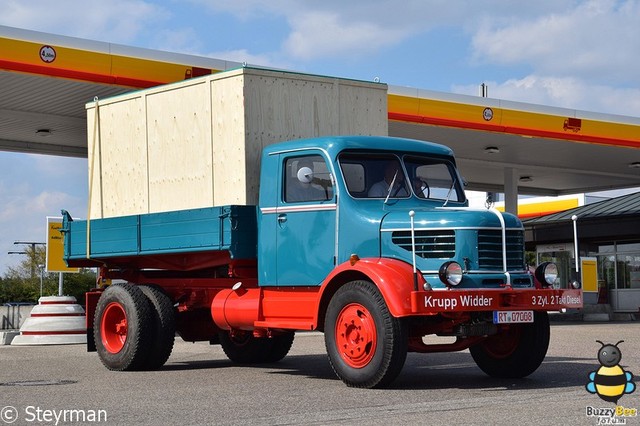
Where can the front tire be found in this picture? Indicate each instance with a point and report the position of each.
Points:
(367, 346)
(123, 327)
(515, 353)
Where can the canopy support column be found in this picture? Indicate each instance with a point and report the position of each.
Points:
(510, 190)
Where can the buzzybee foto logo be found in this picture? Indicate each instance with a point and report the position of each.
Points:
(610, 382)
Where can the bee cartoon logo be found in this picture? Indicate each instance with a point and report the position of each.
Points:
(610, 381)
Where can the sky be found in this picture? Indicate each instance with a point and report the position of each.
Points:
(579, 54)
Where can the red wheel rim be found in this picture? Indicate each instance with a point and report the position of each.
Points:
(503, 344)
(356, 337)
(113, 327)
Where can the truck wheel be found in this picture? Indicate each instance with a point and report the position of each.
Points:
(164, 328)
(515, 353)
(281, 346)
(367, 346)
(242, 347)
(123, 327)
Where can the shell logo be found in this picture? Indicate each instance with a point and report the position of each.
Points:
(47, 54)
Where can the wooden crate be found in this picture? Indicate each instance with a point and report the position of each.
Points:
(197, 143)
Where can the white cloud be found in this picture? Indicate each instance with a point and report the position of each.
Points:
(118, 21)
(183, 40)
(33, 187)
(317, 35)
(243, 55)
(23, 217)
(595, 40)
(566, 92)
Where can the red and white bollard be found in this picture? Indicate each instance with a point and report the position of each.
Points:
(56, 320)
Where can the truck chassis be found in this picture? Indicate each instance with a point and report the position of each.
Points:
(132, 323)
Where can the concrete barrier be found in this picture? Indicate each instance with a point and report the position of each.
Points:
(56, 320)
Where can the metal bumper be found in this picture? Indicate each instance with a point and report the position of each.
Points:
(435, 302)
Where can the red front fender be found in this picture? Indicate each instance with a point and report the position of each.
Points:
(394, 279)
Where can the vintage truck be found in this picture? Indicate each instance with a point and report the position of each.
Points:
(368, 239)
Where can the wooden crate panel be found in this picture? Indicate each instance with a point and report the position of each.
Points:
(179, 148)
(118, 166)
(363, 111)
(229, 142)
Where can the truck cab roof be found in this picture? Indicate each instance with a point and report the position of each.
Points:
(335, 144)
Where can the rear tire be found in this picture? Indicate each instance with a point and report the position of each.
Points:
(242, 347)
(281, 345)
(123, 327)
(367, 346)
(515, 353)
(164, 321)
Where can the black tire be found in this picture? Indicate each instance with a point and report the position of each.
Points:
(242, 347)
(164, 321)
(517, 352)
(367, 346)
(123, 327)
(281, 345)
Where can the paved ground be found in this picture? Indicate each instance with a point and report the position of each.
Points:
(200, 386)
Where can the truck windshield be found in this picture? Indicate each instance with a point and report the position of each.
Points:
(368, 175)
(435, 179)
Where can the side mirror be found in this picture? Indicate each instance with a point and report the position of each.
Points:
(305, 175)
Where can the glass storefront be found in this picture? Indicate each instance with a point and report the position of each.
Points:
(619, 274)
(618, 266)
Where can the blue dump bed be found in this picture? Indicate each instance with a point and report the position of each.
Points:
(231, 229)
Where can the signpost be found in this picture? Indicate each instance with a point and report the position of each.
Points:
(55, 251)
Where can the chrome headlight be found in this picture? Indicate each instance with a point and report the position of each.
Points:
(450, 273)
(547, 273)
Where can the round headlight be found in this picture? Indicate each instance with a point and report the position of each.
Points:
(450, 273)
(547, 273)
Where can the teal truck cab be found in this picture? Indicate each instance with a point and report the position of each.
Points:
(367, 239)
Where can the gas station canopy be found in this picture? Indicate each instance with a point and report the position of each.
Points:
(501, 146)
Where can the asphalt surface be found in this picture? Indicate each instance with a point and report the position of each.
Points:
(198, 385)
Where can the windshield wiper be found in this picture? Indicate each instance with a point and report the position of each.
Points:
(455, 179)
(393, 181)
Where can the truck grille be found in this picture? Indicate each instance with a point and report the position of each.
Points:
(436, 244)
(490, 250)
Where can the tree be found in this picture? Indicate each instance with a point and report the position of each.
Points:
(22, 283)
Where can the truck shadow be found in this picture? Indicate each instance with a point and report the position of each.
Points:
(460, 371)
(425, 371)
(452, 371)
(197, 365)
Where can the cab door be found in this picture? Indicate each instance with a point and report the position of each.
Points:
(305, 220)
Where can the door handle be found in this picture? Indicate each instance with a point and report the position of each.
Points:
(282, 218)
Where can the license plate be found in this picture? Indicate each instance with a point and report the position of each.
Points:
(512, 317)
